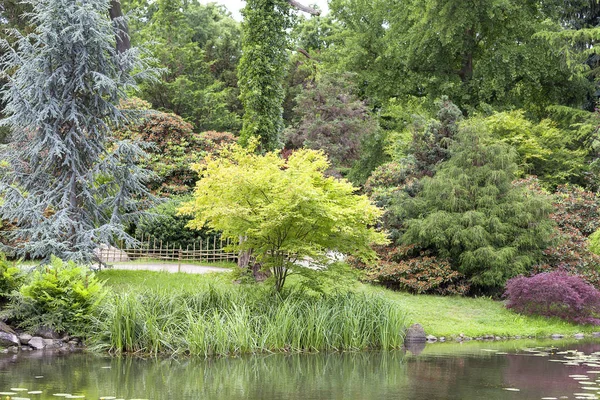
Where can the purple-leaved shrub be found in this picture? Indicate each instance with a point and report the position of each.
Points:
(554, 294)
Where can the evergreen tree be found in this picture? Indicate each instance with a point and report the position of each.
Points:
(471, 213)
(68, 186)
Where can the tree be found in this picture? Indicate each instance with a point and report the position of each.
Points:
(471, 213)
(481, 52)
(262, 69)
(68, 186)
(174, 147)
(330, 117)
(287, 210)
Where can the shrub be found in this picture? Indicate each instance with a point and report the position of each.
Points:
(11, 278)
(60, 296)
(554, 294)
(406, 268)
(170, 227)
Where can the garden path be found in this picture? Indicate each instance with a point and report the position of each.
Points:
(170, 267)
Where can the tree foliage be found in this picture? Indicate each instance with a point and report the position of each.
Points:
(65, 191)
(288, 211)
(262, 70)
(472, 214)
(330, 117)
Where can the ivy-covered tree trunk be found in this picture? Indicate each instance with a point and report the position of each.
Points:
(262, 71)
(67, 185)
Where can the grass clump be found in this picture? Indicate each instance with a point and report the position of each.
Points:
(228, 320)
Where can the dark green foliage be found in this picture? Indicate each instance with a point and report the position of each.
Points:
(60, 296)
(168, 226)
(262, 70)
(329, 117)
(472, 214)
(199, 47)
(479, 53)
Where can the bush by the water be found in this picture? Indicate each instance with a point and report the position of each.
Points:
(11, 278)
(60, 296)
(554, 294)
(226, 321)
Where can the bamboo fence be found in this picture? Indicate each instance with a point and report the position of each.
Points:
(149, 248)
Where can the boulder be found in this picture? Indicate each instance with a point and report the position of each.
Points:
(9, 339)
(431, 338)
(579, 336)
(415, 334)
(557, 336)
(6, 328)
(36, 342)
(25, 338)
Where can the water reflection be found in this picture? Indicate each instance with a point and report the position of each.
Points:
(440, 371)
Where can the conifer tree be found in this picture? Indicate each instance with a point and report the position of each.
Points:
(471, 213)
(67, 185)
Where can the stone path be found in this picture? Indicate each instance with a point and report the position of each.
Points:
(170, 267)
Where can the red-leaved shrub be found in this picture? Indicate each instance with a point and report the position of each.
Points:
(413, 270)
(554, 294)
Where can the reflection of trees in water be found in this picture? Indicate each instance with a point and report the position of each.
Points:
(316, 376)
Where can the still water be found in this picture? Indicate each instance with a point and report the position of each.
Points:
(509, 370)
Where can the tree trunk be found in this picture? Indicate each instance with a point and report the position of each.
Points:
(304, 8)
(122, 34)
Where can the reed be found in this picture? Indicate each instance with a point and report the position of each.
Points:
(238, 320)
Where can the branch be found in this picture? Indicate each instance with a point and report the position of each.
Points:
(304, 8)
(305, 53)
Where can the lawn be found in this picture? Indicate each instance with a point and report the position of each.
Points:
(440, 316)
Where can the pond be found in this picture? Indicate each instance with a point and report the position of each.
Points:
(502, 370)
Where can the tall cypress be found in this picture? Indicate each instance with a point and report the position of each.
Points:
(67, 185)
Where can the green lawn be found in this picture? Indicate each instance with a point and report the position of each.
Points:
(440, 316)
(450, 316)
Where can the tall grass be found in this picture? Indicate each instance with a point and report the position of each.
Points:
(235, 320)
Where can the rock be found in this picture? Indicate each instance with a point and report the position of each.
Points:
(110, 254)
(596, 334)
(442, 339)
(37, 343)
(431, 338)
(6, 328)
(9, 339)
(415, 334)
(579, 336)
(52, 343)
(517, 337)
(13, 349)
(557, 336)
(497, 338)
(25, 338)
(47, 333)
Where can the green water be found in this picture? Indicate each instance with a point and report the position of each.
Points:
(440, 371)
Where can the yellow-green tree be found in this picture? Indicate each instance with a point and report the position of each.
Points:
(287, 210)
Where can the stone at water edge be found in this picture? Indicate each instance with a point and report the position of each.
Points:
(25, 338)
(47, 333)
(431, 338)
(579, 336)
(9, 339)
(37, 343)
(415, 334)
(557, 336)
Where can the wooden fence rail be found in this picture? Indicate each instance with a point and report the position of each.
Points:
(149, 248)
